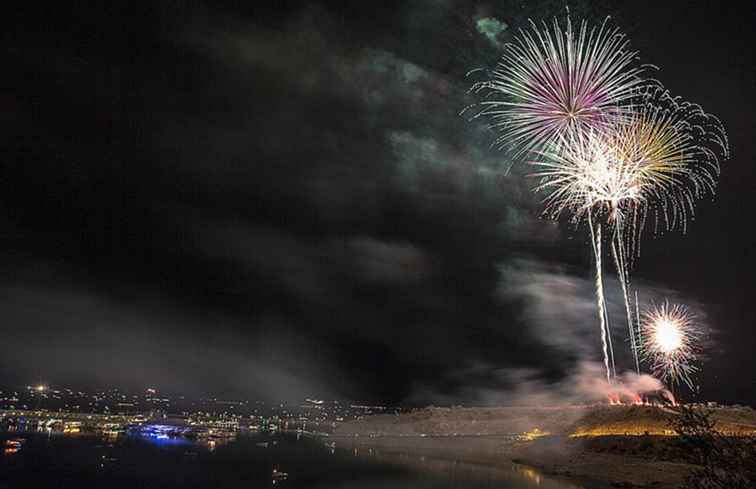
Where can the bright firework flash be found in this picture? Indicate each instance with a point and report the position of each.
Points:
(659, 159)
(670, 342)
(552, 82)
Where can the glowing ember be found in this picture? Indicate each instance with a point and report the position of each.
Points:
(533, 434)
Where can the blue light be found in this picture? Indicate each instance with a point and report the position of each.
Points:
(161, 434)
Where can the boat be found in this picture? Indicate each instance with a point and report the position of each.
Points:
(278, 475)
(13, 445)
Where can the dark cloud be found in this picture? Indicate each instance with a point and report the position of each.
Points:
(77, 336)
(286, 201)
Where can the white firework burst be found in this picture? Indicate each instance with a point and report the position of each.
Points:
(670, 342)
(552, 82)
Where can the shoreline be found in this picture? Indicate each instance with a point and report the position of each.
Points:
(596, 447)
(504, 467)
(555, 458)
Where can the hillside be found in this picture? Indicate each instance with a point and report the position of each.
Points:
(565, 420)
(598, 446)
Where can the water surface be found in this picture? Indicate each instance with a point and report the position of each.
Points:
(50, 461)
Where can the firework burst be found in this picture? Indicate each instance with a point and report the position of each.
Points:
(670, 341)
(553, 82)
(657, 160)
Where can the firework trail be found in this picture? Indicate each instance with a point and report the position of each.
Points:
(639, 339)
(606, 341)
(670, 342)
(624, 278)
(554, 81)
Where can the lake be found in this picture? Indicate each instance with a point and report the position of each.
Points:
(56, 461)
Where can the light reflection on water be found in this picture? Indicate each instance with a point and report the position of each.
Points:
(503, 476)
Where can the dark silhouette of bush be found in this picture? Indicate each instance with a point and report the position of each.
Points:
(726, 462)
(695, 433)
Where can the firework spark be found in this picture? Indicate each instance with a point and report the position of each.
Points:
(552, 82)
(670, 342)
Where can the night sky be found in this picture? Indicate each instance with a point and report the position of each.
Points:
(285, 202)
